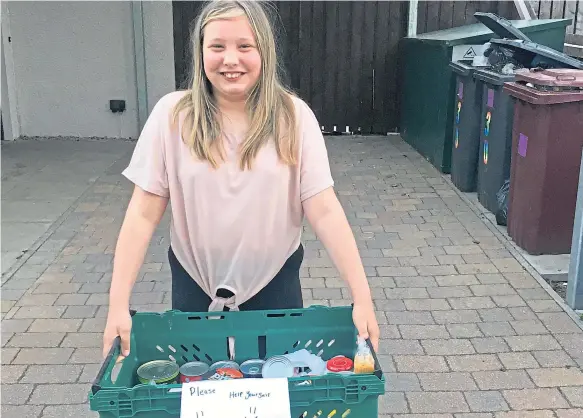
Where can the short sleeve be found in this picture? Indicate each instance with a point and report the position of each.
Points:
(315, 174)
(147, 167)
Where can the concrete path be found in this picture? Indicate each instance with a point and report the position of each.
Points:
(468, 332)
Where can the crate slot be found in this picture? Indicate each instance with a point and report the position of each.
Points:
(197, 358)
(172, 358)
(185, 359)
(160, 349)
(172, 349)
(194, 318)
(296, 344)
(331, 342)
(321, 413)
(195, 347)
(308, 344)
(262, 346)
(276, 315)
(320, 353)
(320, 343)
(184, 348)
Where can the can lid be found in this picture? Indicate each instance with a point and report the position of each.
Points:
(226, 364)
(339, 364)
(194, 368)
(158, 370)
(277, 366)
(252, 367)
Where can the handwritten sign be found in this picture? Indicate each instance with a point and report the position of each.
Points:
(237, 398)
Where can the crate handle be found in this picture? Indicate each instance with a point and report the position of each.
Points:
(378, 372)
(115, 347)
(105, 367)
(377, 366)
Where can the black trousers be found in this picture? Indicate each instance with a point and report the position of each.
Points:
(283, 292)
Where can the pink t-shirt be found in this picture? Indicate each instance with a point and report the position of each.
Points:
(230, 229)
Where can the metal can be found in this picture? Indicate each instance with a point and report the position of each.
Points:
(278, 366)
(225, 374)
(158, 372)
(252, 368)
(193, 371)
(227, 364)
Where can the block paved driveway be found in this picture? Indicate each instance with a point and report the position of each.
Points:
(467, 332)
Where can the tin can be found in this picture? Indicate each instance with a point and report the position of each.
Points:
(252, 368)
(225, 374)
(278, 366)
(158, 372)
(193, 371)
(227, 364)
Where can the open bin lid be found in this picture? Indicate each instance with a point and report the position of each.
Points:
(531, 54)
(500, 26)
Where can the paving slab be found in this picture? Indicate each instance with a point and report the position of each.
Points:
(41, 180)
(469, 331)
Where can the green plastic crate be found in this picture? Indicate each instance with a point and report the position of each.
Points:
(184, 337)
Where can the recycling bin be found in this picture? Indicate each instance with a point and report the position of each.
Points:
(547, 141)
(497, 111)
(427, 92)
(466, 127)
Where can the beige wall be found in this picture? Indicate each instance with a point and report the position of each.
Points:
(71, 58)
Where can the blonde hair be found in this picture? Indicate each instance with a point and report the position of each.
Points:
(269, 106)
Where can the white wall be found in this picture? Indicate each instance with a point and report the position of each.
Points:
(71, 58)
(159, 46)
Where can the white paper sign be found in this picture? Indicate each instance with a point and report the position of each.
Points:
(237, 398)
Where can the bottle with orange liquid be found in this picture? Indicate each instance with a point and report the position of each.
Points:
(363, 359)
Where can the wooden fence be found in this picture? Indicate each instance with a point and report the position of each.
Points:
(437, 15)
(557, 9)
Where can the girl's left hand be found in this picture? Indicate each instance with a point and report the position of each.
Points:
(365, 321)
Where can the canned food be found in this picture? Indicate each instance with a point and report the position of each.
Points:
(158, 372)
(278, 366)
(339, 364)
(225, 374)
(252, 368)
(193, 371)
(227, 364)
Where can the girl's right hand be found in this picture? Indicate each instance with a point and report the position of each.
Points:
(119, 323)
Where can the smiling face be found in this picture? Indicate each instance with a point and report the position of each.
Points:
(231, 59)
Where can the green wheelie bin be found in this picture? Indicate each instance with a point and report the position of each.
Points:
(428, 83)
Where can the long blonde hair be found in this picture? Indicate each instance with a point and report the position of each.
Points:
(269, 106)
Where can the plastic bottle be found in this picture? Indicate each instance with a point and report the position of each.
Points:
(363, 359)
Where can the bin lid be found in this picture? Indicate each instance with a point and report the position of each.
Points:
(493, 77)
(478, 33)
(503, 28)
(532, 54)
(461, 68)
(542, 97)
(554, 77)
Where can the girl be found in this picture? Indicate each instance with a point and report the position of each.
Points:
(242, 160)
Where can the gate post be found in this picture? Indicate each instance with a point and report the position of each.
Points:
(575, 280)
(140, 62)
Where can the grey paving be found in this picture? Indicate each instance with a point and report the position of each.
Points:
(467, 331)
(41, 179)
